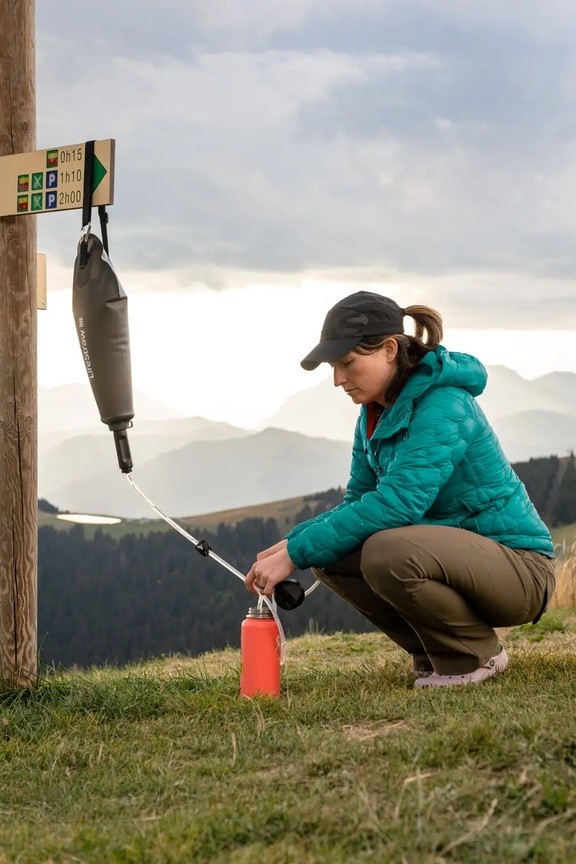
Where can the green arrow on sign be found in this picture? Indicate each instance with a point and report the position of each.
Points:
(98, 173)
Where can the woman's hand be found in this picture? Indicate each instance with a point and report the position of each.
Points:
(269, 568)
(282, 544)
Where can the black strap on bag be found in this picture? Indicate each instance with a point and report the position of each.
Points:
(87, 206)
(104, 226)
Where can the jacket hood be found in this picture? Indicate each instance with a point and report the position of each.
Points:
(438, 368)
(442, 368)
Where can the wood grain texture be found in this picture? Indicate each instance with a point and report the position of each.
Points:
(18, 364)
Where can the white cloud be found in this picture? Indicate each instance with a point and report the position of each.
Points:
(424, 149)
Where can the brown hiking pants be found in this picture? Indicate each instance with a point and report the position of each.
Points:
(438, 592)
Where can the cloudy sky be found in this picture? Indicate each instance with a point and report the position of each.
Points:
(272, 157)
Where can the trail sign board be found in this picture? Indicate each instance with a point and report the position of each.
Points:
(47, 180)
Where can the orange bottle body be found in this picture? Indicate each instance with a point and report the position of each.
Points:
(260, 653)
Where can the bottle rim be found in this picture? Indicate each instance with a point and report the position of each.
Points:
(255, 612)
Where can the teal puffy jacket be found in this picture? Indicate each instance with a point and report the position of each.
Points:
(433, 459)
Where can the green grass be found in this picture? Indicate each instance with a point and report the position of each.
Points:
(164, 763)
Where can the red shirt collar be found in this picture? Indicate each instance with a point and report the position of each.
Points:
(374, 412)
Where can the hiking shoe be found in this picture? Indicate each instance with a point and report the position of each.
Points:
(494, 666)
(421, 666)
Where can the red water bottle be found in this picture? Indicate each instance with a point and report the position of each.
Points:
(260, 652)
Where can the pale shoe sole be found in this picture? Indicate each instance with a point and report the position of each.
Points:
(495, 666)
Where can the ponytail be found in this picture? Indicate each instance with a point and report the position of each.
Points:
(426, 321)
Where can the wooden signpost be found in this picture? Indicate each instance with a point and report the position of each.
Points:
(18, 408)
(31, 182)
(41, 290)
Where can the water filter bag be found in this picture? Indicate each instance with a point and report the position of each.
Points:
(100, 308)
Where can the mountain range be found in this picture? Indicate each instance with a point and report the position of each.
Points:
(531, 417)
(190, 465)
(323, 410)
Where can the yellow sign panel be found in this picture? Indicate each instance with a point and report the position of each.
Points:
(48, 180)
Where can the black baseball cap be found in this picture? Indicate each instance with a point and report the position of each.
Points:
(349, 321)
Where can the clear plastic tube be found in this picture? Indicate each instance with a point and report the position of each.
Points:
(312, 588)
(270, 602)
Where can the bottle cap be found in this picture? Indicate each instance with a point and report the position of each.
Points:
(289, 594)
(254, 612)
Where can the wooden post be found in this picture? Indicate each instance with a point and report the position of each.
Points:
(18, 373)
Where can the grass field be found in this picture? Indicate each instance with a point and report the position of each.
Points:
(165, 763)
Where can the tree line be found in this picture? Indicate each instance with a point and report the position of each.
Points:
(117, 600)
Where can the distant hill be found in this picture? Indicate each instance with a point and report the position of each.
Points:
(508, 393)
(85, 456)
(211, 475)
(323, 411)
(72, 406)
(532, 418)
(70, 410)
(78, 469)
(535, 433)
